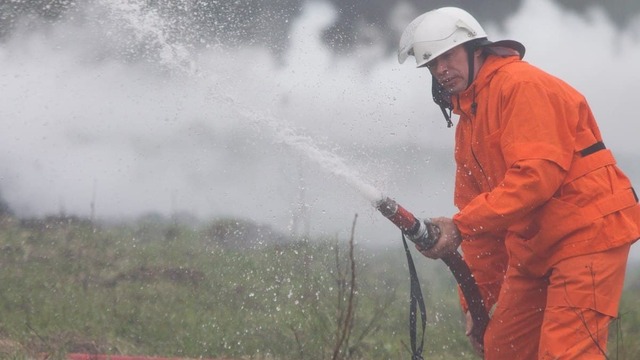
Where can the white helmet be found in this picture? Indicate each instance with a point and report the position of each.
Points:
(437, 31)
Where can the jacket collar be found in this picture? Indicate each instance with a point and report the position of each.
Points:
(465, 101)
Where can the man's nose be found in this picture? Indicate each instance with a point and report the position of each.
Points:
(440, 67)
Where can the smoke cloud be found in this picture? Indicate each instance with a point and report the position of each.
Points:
(110, 108)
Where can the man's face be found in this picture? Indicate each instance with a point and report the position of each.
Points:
(451, 69)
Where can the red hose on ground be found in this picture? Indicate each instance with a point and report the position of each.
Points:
(123, 357)
(113, 357)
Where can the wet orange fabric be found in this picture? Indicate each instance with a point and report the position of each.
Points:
(522, 179)
(561, 316)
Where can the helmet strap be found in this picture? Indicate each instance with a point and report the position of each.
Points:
(443, 99)
(441, 96)
(470, 48)
(447, 116)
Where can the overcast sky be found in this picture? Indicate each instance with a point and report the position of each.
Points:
(202, 132)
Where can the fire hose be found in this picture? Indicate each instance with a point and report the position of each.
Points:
(425, 234)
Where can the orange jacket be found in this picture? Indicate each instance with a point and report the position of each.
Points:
(531, 170)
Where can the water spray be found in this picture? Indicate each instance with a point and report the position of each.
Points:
(423, 233)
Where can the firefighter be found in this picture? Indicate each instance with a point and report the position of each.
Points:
(545, 216)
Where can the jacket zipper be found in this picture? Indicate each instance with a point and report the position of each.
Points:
(473, 153)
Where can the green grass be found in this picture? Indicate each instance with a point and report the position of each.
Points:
(169, 290)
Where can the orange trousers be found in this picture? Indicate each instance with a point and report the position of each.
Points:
(562, 315)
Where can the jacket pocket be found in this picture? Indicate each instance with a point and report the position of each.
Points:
(559, 220)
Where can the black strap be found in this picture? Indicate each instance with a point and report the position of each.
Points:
(443, 99)
(416, 300)
(593, 148)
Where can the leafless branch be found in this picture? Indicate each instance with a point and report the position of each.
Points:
(347, 322)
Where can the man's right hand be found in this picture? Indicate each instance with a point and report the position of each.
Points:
(479, 348)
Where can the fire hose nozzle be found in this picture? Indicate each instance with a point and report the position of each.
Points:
(427, 235)
(422, 233)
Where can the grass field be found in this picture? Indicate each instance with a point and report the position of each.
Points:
(163, 289)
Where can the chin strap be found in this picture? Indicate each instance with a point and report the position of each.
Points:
(447, 116)
(443, 99)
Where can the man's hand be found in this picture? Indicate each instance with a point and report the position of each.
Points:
(479, 348)
(448, 242)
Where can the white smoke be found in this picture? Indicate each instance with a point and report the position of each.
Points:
(82, 120)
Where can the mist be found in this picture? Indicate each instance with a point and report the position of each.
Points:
(89, 130)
